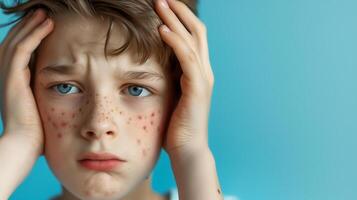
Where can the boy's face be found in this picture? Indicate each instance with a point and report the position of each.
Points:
(94, 106)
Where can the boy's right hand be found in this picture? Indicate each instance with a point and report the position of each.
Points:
(18, 106)
(23, 138)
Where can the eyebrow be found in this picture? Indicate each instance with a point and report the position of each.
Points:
(128, 75)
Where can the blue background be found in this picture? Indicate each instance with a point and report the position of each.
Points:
(283, 119)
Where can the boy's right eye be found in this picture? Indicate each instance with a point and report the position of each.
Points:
(64, 88)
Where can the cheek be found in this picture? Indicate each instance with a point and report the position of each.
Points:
(149, 132)
(148, 123)
(57, 121)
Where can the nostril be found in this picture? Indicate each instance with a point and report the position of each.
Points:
(110, 133)
(91, 134)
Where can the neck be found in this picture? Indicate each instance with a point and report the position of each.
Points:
(141, 192)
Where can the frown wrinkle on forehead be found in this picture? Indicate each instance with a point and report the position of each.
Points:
(123, 75)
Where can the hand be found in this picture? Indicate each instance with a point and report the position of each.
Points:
(19, 111)
(186, 35)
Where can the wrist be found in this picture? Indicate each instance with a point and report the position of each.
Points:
(17, 159)
(190, 157)
(30, 147)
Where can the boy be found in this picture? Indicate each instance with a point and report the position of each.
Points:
(101, 119)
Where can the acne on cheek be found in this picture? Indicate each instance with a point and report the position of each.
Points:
(147, 122)
(60, 123)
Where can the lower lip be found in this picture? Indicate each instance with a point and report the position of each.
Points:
(100, 165)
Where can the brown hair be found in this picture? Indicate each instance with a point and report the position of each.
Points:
(137, 18)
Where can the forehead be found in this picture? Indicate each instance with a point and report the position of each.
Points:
(75, 36)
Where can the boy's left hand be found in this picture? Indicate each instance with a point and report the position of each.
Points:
(186, 35)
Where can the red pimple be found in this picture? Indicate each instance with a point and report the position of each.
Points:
(64, 124)
(54, 125)
(152, 123)
(59, 135)
(140, 117)
(152, 114)
(62, 113)
(52, 109)
(144, 127)
(48, 118)
(73, 115)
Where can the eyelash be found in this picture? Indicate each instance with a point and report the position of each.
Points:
(53, 87)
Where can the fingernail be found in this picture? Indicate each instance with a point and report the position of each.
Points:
(164, 3)
(46, 22)
(165, 28)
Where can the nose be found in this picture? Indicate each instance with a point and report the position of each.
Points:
(99, 122)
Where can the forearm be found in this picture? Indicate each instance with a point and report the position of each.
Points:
(196, 176)
(16, 161)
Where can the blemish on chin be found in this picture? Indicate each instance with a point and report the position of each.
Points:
(62, 113)
(73, 115)
(152, 114)
(138, 141)
(52, 109)
(59, 135)
(140, 117)
(144, 127)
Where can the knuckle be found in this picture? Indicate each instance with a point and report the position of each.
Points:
(202, 27)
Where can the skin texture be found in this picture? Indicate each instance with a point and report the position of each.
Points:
(100, 116)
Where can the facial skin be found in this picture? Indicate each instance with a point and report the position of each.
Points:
(95, 108)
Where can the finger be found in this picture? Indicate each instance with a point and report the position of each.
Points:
(14, 29)
(184, 53)
(26, 46)
(194, 25)
(188, 18)
(38, 17)
(170, 19)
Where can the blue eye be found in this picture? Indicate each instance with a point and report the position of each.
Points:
(137, 91)
(64, 88)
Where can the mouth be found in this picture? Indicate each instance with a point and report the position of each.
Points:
(100, 161)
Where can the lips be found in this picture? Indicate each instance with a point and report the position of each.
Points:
(100, 161)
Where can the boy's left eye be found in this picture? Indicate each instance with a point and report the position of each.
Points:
(64, 88)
